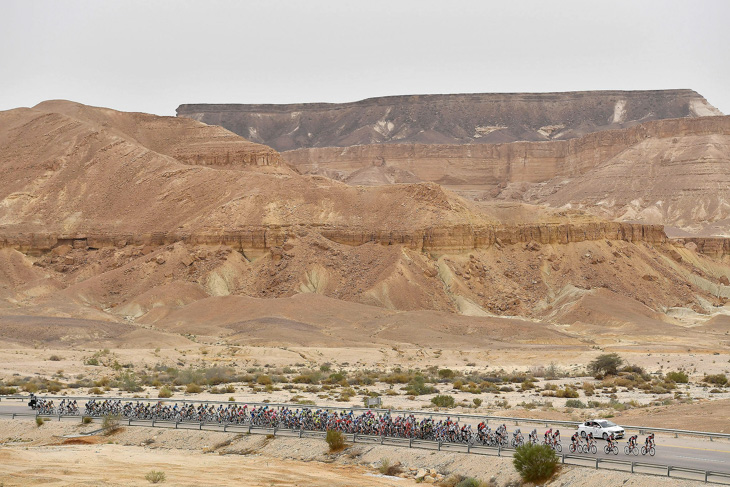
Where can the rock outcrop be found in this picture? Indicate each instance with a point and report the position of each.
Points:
(498, 164)
(448, 119)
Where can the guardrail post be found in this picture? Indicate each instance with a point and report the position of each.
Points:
(176, 423)
(300, 432)
(200, 426)
(439, 445)
(669, 469)
(382, 439)
(129, 422)
(597, 460)
(632, 466)
(711, 438)
(274, 430)
(410, 442)
(707, 474)
(249, 428)
(468, 447)
(225, 427)
(499, 450)
(153, 423)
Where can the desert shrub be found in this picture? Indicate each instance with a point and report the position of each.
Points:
(335, 439)
(588, 389)
(155, 476)
(164, 393)
(417, 386)
(39, 421)
(30, 387)
(575, 403)
(264, 380)
(6, 391)
(110, 424)
(567, 392)
(193, 388)
(717, 379)
(680, 377)
(446, 374)
(443, 401)
(535, 463)
(606, 364)
(96, 390)
(129, 382)
(54, 358)
(469, 482)
(86, 420)
(477, 402)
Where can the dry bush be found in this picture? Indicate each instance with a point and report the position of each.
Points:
(335, 439)
(155, 476)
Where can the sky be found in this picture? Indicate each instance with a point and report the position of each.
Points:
(152, 56)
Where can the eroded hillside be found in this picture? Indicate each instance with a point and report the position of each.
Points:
(168, 226)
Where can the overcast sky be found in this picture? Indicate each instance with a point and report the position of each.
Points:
(151, 56)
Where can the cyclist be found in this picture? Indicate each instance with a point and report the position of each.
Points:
(649, 443)
(632, 442)
(575, 439)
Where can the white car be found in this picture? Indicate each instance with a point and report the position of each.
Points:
(600, 429)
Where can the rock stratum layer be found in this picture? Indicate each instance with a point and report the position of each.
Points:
(448, 119)
(674, 172)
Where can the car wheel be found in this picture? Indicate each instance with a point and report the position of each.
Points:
(605, 436)
(583, 434)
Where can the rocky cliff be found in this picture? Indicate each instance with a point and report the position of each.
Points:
(473, 165)
(448, 119)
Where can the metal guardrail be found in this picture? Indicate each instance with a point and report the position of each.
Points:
(459, 416)
(707, 476)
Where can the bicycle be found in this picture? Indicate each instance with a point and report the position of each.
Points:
(650, 450)
(610, 448)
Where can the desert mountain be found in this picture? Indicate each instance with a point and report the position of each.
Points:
(448, 119)
(170, 226)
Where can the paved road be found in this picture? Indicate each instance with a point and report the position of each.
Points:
(686, 452)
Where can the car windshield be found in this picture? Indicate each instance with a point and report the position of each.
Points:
(606, 424)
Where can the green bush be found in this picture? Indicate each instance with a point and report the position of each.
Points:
(680, 377)
(335, 439)
(417, 387)
(469, 482)
(535, 463)
(446, 373)
(443, 401)
(575, 403)
(86, 420)
(155, 477)
(193, 388)
(718, 379)
(606, 364)
(39, 421)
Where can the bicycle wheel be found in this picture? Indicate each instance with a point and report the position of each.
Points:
(606, 450)
(643, 450)
(615, 450)
(626, 450)
(652, 451)
(636, 451)
(594, 449)
(571, 448)
(559, 447)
